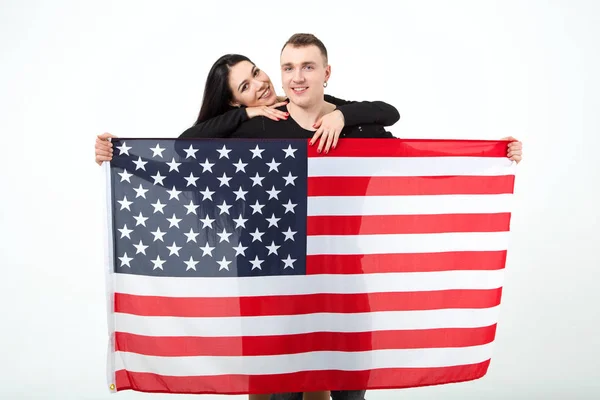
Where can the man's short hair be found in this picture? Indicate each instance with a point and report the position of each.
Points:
(305, 40)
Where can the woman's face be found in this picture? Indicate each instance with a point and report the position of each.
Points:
(250, 86)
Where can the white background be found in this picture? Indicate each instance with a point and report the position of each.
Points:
(454, 69)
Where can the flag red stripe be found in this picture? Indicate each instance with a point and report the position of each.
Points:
(414, 148)
(408, 185)
(185, 346)
(301, 381)
(405, 262)
(398, 224)
(254, 306)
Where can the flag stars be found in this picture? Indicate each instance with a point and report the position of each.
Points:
(191, 208)
(139, 164)
(273, 166)
(240, 222)
(125, 260)
(288, 262)
(191, 180)
(191, 264)
(257, 180)
(289, 152)
(257, 152)
(174, 249)
(140, 220)
(125, 203)
(224, 180)
(191, 236)
(240, 250)
(190, 152)
(257, 208)
(289, 207)
(224, 264)
(224, 236)
(125, 232)
(273, 221)
(240, 166)
(289, 179)
(125, 176)
(173, 165)
(207, 250)
(289, 234)
(158, 263)
(273, 193)
(174, 221)
(124, 149)
(207, 194)
(224, 152)
(207, 166)
(256, 263)
(140, 248)
(207, 222)
(158, 207)
(224, 208)
(256, 235)
(174, 193)
(157, 151)
(158, 178)
(240, 194)
(272, 248)
(140, 192)
(158, 235)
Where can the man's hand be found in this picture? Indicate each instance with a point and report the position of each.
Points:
(104, 148)
(514, 150)
(329, 127)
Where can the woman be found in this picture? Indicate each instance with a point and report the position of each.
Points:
(236, 90)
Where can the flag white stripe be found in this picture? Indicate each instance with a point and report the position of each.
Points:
(306, 323)
(409, 205)
(289, 363)
(407, 243)
(307, 284)
(410, 166)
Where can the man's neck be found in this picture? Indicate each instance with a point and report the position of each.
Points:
(307, 116)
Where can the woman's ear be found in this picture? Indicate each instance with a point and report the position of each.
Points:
(234, 104)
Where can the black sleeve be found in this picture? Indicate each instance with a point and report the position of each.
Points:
(219, 127)
(365, 112)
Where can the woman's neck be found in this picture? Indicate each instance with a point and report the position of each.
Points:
(307, 116)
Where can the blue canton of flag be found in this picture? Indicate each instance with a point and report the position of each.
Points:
(209, 208)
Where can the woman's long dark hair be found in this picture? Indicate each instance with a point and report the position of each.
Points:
(217, 93)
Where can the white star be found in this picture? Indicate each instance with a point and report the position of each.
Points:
(207, 250)
(240, 250)
(139, 164)
(257, 152)
(191, 264)
(256, 235)
(191, 208)
(224, 180)
(140, 220)
(273, 193)
(207, 222)
(289, 262)
(174, 249)
(289, 152)
(157, 150)
(224, 264)
(239, 221)
(191, 180)
(224, 236)
(273, 221)
(140, 191)
(256, 263)
(173, 165)
(207, 166)
(174, 221)
(224, 208)
(158, 178)
(190, 152)
(240, 194)
(158, 235)
(289, 207)
(124, 203)
(289, 180)
(158, 207)
(257, 208)
(224, 152)
(125, 260)
(273, 166)
(191, 236)
(125, 176)
(125, 231)
(140, 248)
(257, 180)
(124, 149)
(272, 248)
(158, 263)
(207, 194)
(240, 166)
(174, 193)
(289, 234)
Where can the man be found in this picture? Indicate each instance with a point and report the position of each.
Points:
(304, 74)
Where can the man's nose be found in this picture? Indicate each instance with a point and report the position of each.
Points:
(298, 76)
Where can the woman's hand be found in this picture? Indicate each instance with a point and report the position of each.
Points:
(514, 150)
(104, 148)
(268, 111)
(329, 128)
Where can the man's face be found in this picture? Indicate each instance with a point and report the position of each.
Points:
(303, 72)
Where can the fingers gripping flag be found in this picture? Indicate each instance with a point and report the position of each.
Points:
(239, 266)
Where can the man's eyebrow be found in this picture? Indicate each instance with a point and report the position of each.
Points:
(245, 81)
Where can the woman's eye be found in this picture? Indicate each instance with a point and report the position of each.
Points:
(244, 87)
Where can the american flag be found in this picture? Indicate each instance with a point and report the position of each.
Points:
(262, 266)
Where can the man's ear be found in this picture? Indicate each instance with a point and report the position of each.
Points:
(327, 72)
